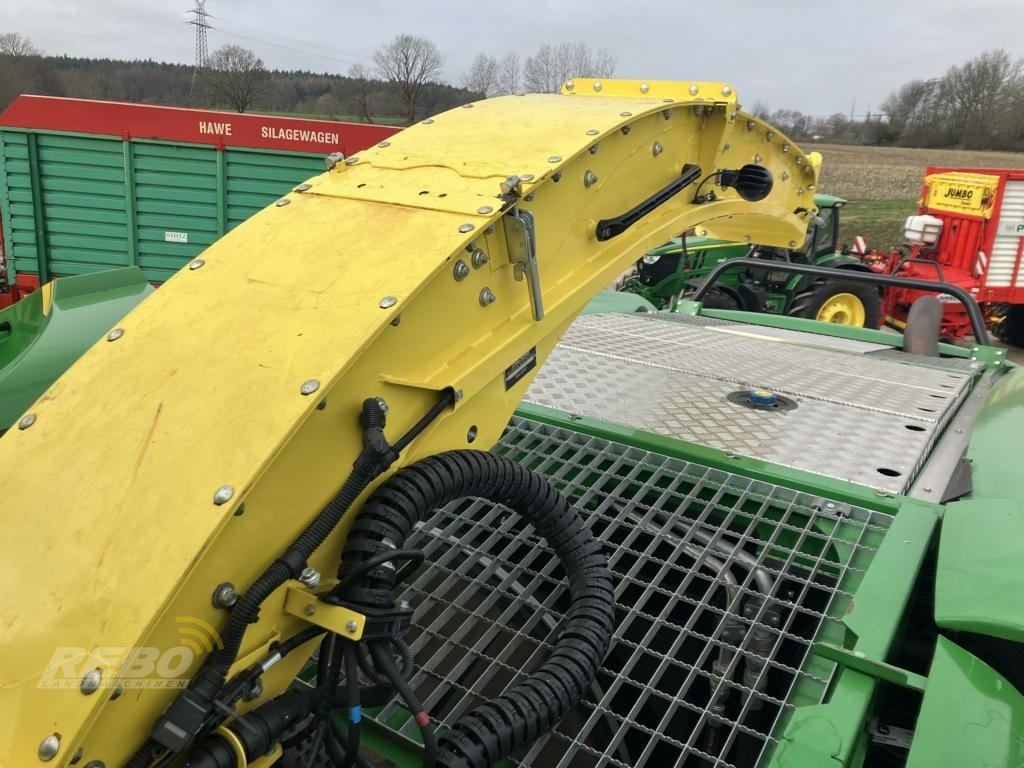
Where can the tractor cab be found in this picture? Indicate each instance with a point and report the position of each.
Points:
(822, 233)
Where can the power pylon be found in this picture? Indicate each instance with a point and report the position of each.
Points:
(201, 25)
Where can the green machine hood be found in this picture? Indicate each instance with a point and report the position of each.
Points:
(44, 333)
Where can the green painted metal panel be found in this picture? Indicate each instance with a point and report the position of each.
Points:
(995, 470)
(74, 204)
(979, 580)
(44, 333)
(830, 733)
(38, 222)
(173, 175)
(617, 301)
(73, 171)
(5, 209)
(985, 728)
(254, 179)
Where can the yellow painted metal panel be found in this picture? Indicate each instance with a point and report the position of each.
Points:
(117, 476)
(961, 192)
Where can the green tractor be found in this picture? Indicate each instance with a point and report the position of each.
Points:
(680, 267)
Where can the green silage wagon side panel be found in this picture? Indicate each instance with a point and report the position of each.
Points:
(81, 195)
(89, 203)
(175, 204)
(255, 178)
(16, 209)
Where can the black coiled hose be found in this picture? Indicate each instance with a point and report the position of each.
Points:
(486, 734)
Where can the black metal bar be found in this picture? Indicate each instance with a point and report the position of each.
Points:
(918, 260)
(609, 228)
(973, 310)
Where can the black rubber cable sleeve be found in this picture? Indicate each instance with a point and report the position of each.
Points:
(486, 734)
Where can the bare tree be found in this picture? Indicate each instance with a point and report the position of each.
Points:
(483, 75)
(24, 70)
(551, 66)
(409, 62)
(15, 44)
(975, 94)
(911, 111)
(761, 110)
(361, 91)
(509, 73)
(542, 71)
(237, 76)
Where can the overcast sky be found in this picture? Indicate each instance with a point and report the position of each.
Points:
(819, 57)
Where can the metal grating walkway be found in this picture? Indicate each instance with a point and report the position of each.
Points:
(703, 667)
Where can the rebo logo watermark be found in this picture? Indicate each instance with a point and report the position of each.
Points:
(137, 667)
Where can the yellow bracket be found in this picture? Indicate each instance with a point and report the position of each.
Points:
(334, 618)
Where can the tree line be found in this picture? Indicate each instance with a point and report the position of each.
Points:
(975, 105)
(402, 82)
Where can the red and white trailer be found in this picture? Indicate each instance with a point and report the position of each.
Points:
(969, 232)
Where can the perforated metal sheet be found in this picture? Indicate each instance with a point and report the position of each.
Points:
(866, 420)
(713, 634)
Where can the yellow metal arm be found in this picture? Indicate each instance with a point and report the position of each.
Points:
(191, 448)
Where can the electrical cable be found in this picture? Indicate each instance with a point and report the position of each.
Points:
(696, 192)
(354, 709)
(277, 35)
(414, 556)
(192, 712)
(287, 646)
(378, 677)
(386, 664)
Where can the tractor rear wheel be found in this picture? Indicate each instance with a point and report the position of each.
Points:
(1011, 327)
(839, 301)
(716, 298)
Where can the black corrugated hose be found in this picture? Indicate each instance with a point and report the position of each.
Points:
(490, 732)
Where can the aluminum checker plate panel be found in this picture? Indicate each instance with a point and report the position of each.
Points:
(859, 418)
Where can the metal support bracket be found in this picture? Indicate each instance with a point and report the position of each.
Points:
(335, 618)
(858, 661)
(522, 252)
